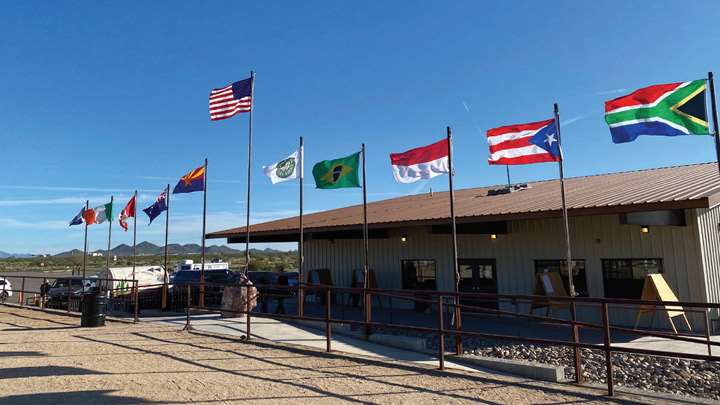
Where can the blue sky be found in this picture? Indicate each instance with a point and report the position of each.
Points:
(100, 99)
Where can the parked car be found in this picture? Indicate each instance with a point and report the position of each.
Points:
(63, 287)
(5, 289)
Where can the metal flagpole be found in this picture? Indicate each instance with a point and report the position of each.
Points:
(134, 233)
(110, 221)
(507, 171)
(301, 259)
(366, 267)
(571, 285)
(453, 227)
(711, 84)
(87, 207)
(165, 267)
(202, 256)
(247, 217)
(568, 252)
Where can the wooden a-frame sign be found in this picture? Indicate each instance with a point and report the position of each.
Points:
(549, 284)
(657, 289)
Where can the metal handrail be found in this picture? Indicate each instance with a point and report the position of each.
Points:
(438, 298)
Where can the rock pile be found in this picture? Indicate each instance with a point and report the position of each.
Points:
(662, 374)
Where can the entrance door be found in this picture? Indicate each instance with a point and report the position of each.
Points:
(478, 276)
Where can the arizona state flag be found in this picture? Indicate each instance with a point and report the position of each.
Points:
(193, 181)
(663, 109)
(338, 173)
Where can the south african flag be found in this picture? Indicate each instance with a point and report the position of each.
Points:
(664, 109)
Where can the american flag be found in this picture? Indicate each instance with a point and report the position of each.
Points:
(231, 99)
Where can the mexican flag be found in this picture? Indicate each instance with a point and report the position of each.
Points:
(102, 213)
(337, 173)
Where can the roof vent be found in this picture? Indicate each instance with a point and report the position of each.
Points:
(507, 190)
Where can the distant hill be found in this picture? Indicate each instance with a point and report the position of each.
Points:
(150, 249)
(5, 255)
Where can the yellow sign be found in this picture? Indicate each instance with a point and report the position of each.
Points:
(657, 289)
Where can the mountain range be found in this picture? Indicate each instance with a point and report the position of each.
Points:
(147, 248)
(5, 255)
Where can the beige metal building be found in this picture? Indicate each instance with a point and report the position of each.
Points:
(623, 226)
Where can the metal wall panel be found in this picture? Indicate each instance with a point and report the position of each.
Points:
(708, 222)
(593, 238)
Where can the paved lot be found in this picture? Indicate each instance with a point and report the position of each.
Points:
(48, 359)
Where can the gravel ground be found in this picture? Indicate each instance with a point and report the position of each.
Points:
(651, 373)
(47, 359)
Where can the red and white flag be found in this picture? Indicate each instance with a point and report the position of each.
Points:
(424, 162)
(127, 212)
(511, 144)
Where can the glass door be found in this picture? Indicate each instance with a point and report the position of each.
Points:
(478, 276)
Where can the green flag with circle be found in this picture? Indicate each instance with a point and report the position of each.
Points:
(337, 173)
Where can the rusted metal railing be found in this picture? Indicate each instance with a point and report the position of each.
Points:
(455, 304)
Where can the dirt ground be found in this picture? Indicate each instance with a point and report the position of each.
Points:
(47, 358)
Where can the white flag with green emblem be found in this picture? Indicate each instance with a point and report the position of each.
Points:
(289, 168)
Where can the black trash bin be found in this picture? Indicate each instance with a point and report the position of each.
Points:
(93, 310)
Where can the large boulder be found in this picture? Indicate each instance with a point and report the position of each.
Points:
(234, 299)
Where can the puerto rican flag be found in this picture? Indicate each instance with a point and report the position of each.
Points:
(424, 162)
(521, 144)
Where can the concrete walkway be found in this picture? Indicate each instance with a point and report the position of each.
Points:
(282, 332)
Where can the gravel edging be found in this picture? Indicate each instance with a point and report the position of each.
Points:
(680, 377)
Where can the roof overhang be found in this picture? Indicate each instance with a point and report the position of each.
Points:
(380, 229)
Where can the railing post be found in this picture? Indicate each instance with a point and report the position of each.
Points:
(247, 311)
(187, 309)
(22, 293)
(458, 327)
(68, 297)
(576, 339)
(368, 313)
(42, 294)
(301, 300)
(608, 353)
(137, 301)
(328, 331)
(707, 332)
(441, 335)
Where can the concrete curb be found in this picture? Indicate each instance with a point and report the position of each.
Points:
(538, 371)
(544, 372)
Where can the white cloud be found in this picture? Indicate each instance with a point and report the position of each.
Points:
(572, 120)
(10, 223)
(64, 188)
(74, 200)
(613, 91)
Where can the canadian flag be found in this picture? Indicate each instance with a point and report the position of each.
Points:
(127, 212)
(424, 162)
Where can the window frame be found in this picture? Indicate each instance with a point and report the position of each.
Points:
(417, 279)
(583, 291)
(631, 284)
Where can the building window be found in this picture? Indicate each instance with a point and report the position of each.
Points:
(624, 278)
(419, 274)
(560, 266)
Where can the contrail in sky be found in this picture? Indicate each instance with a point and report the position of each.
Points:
(613, 91)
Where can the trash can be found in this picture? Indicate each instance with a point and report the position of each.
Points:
(93, 310)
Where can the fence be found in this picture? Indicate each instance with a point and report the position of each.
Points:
(66, 292)
(448, 310)
(443, 304)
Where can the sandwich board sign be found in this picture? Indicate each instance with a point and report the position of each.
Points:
(549, 284)
(657, 289)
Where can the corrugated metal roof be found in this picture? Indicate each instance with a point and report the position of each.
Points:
(688, 186)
